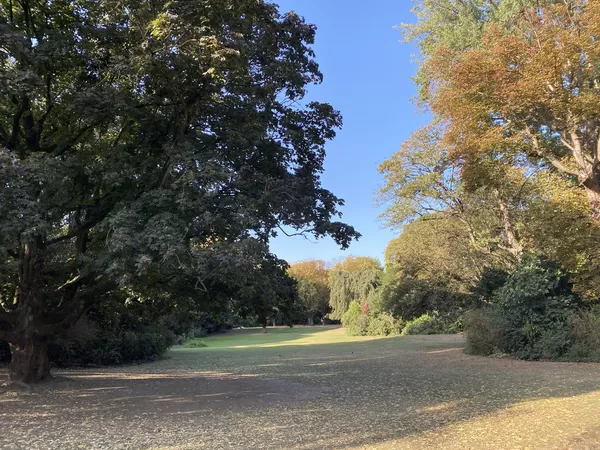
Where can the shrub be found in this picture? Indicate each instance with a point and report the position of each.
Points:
(585, 335)
(534, 315)
(483, 332)
(355, 322)
(199, 332)
(537, 305)
(86, 344)
(424, 324)
(384, 324)
(491, 280)
(195, 343)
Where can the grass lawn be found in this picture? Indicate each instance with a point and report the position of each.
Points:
(312, 388)
(279, 336)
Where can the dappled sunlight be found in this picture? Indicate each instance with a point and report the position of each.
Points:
(353, 360)
(154, 376)
(441, 407)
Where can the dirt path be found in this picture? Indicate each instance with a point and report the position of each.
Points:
(410, 392)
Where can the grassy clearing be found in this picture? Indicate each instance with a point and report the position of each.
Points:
(313, 388)
(277, 337)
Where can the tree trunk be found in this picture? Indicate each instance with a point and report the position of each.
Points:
(311, 321)
(29, 348)
(592, 189)
(514, 246)
(29, 361)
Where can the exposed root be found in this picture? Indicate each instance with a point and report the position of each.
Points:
(12, 384)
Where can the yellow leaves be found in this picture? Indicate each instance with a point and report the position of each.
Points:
(357, 264)
(312, 269)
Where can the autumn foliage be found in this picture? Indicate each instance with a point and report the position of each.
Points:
(531, 91)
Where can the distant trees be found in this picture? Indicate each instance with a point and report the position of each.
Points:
(313, 288)
(352, 279)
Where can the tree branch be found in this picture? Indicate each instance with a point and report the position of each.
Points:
(73, 233)
(551, 159)
(300, 233)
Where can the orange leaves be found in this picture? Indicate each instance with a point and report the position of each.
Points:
(542, 75)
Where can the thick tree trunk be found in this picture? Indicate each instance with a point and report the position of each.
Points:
(311, 321)
(29, 361)
(29, 347)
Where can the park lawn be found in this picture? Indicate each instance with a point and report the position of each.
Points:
(312, 388)
(278, 336)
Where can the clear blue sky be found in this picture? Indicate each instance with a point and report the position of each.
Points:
(367, 77)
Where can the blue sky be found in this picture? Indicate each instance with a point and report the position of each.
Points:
(367, 77)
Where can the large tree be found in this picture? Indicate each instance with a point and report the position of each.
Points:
(532, 91)
(150, 147)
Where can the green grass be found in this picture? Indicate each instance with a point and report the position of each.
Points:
(276, 337)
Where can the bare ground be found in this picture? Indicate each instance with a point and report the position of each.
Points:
(395, 393)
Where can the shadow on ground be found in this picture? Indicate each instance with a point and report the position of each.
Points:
(408, 392)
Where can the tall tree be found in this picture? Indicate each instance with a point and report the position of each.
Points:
(150, 146)
(424, 180)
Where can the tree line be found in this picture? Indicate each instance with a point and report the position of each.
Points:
(497, 197)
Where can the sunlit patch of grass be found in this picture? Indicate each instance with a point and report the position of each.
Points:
(562, 422)
(277, 337)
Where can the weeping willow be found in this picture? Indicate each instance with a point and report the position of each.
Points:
(346, 286)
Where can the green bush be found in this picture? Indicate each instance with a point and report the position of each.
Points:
(534, 315)
(491, 280)
(424, 324)
(195, 343)
(585, 336)
(483, 332)
(354, 320)
(384, 324)
(86, 344)
(199, 332)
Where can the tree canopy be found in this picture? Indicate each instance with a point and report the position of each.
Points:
(529, 91)
(151, 150)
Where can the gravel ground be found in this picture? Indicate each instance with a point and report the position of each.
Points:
(310, 392)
